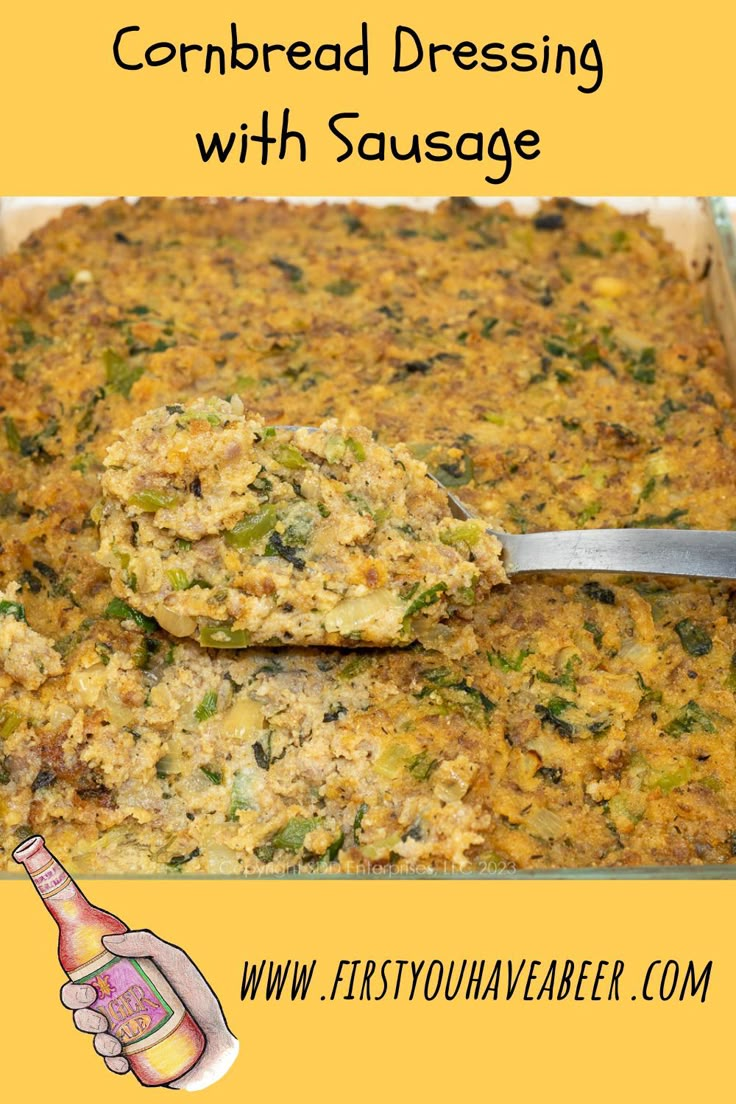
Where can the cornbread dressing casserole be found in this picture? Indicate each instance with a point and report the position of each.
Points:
(557, 369)
(242, 534)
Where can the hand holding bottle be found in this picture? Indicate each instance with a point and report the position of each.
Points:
(221, 1046)
(140, 997)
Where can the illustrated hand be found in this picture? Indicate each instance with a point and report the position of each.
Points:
(221, 1045)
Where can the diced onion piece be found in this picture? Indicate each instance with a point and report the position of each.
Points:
(221, 860)
(354, 615)
(173, 761)
(178, 624)
(381, 849)
(545, 824)
(243, 719)
(392, 760)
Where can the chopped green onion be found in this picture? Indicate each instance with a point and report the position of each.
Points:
(691, 718)
(119, 374)
(509, 662)
(13, 609)
(12, 435)
(214, 775)
(422, 765)
(178, 578)
(341, 287)
(118, 610)
(358, 820)
(426, 598)
(354, 667)
(207, 707)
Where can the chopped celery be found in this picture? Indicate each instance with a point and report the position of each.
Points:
(335, 448)
(9, 721)
(291, 837)
(241, 794)
(152, 500)
(620, 809)
(207, 707)
(223, 636)
(667, 781)
(392, 760)
(381, 849)
(201, 416)
(589, 512)
(356, 448)
(290, 457)
(251, 528)
(468, 533)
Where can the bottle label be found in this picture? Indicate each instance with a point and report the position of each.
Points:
(136, 1000)
(50, 879)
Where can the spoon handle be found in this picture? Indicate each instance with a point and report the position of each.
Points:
(688, 552)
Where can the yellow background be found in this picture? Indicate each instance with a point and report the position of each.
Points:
(72, 122)
(355, 1052)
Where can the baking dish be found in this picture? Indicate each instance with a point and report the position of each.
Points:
(681, 224)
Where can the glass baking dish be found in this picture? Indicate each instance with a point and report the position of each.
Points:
(702, 229)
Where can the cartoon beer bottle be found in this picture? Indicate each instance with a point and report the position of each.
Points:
(159, 1037)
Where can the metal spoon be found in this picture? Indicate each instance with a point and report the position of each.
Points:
(705, 553)
(689, 552)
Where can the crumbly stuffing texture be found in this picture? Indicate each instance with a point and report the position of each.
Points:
(26, 657)
(560, 372)
(238, 533)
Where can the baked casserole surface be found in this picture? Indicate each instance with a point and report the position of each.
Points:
(555, 371)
